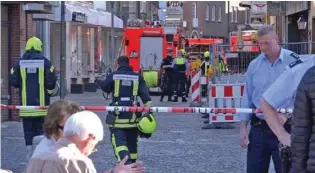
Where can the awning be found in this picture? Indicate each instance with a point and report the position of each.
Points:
(94, 17)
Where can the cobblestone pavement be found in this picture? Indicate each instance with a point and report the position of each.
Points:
(178, 146)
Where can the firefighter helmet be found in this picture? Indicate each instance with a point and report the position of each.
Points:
(206, 54)
(34, 43)
(183, 52)
(147, 124)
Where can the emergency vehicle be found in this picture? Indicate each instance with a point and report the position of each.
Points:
(240, 54)
(197, 46)
(146, 46)
(249, 38)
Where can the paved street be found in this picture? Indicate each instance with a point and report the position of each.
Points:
(178, 146)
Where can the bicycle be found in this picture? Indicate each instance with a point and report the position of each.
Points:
(105, 95)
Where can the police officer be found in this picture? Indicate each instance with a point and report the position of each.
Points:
(35, 77)
(126, 86)
(180, 65)
(260, 75)
(167, 83)
(281, 94)
(188, 77)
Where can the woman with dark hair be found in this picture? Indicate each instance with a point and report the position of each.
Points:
(55, 119)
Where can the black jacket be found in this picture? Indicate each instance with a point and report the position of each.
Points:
(167, 62)
(126, 91)
(32, 79)
(303, 125)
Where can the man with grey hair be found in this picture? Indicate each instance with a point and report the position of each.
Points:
(81, 133)
(261, 142)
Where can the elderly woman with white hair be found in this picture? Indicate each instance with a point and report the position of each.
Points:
(81, 133)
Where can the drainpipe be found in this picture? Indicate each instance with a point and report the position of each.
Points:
(9, 59)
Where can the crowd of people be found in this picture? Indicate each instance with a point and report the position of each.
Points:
(277, 78)
(177, 73)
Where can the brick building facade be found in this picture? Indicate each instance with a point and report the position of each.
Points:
(16, 27)
(212, 18)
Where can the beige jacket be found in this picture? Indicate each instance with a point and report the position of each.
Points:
(63, 157)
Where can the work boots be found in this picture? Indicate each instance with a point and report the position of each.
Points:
(175, 99)
(184, 99)
(169, 99)
(161, 99)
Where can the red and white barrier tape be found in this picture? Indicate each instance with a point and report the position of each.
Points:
(155, 109)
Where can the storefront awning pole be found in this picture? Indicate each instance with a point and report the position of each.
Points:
(112, 32)
(62, 52)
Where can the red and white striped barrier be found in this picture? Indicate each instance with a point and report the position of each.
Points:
(204, 81)
(195, 86)
(154, 109)
(223, 96)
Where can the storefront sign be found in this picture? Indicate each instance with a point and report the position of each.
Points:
(79, 17)
(259, 8)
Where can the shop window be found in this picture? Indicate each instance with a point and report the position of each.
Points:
(86, 48)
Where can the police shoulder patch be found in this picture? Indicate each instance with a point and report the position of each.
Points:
(299, 61)
(294, 55)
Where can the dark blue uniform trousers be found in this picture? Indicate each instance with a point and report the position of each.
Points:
(263, 145)
(125, 143)
(32, 126)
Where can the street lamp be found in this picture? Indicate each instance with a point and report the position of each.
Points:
(302, 23)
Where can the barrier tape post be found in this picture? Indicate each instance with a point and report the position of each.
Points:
(155, 109)
(222, 96)
(195, 89)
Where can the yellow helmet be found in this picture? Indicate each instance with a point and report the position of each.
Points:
(34, 43)
(206, 54)
(147, 124)
(183, 52)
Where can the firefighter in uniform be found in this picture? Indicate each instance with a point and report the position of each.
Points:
(206, 68)
(167, 83)
(180, 65)
(126, 86)
(35, 77)
(222, 65)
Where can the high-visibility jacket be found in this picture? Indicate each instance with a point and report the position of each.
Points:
(222, 66)
(125, 85)
(180, 64)
(35, 77)
(206, 69)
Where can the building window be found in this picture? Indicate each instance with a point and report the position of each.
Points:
(236, 12)
(207, 12)
(194, 10)
(213, 12)
(219, 13)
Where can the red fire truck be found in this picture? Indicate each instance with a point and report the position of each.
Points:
(239, 54)
(249, 41)
(146, 46)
